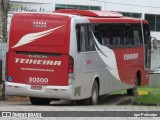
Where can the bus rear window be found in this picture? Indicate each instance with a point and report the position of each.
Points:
(39, 30)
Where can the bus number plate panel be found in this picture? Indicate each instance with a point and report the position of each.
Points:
(36, 87)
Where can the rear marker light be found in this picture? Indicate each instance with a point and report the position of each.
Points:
(70, 64)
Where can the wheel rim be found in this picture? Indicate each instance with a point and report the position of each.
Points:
(94, 94)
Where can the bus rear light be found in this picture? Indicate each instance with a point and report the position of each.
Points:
(70, 69)
(70, 80)
(71, 77)
(70, 64)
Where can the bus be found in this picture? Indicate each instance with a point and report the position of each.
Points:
(76, 55)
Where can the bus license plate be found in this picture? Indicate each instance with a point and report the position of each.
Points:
(36, 87)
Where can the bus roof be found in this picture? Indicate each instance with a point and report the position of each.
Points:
(90, 13)
(115, 20)
(98, 16)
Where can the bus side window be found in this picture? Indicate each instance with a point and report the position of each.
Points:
(81, 38)
(128, 36)
(147, 40)
(146, 33)
(85, 40)
(91, 44)
(105, 41)
(97, 34)
(105, 37)
(137, 35)
(116, 38)
(78, 38)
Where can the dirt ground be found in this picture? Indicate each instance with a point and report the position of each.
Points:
(14, 98)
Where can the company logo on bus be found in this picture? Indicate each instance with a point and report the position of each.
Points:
(37, 62)
(39, 24)
(131, 56)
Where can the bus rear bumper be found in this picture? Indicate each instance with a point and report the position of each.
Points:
(57, 92)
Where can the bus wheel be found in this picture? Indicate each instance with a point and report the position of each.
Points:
(94, 95)
(39, 101)
(133, 91)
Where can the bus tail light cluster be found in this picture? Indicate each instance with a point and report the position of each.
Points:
(71, 77)
(71, 64)
(70, 70)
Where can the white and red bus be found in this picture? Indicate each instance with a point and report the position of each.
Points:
(76, 55)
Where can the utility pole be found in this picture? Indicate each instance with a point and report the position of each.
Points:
(3, 21)
(3, 39)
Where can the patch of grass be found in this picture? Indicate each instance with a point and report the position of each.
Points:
(153, 98)
(143, 88)
(150, 99)
(151, 90)
(119, 92)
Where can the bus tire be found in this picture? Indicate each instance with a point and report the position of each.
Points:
(39, 101)
(94, 94)
(133, 91)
